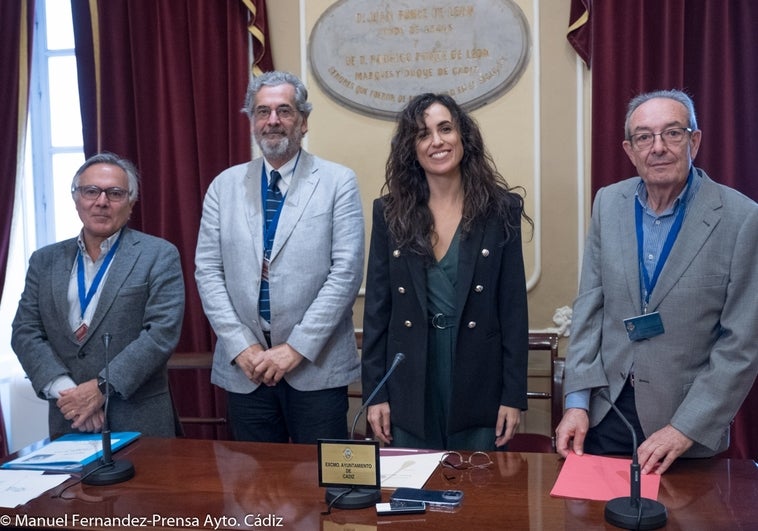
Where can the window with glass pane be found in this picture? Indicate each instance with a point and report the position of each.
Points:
(56, 125)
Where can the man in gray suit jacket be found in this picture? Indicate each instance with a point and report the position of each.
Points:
(666, 313)
(278, 290)
(108, 280)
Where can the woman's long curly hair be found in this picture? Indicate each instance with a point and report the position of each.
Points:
(406, 191)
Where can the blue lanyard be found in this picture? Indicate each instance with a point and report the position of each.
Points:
(84, 299)
(270, 230)
(649, 283)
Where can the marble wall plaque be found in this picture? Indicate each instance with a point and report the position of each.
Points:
(375, 55)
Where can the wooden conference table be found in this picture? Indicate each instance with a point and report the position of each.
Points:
(182, 483)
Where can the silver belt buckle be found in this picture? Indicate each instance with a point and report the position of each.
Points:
(437, 321)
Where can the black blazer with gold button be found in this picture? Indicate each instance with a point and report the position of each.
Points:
(490, 358)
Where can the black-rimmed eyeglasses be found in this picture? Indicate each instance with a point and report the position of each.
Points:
(92, 193)
(671, 137)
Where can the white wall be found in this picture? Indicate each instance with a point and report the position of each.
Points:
(25, 414)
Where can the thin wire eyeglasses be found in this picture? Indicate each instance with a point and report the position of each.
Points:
(284, 112)
(92, 193)
(671, 137)
(457, 461)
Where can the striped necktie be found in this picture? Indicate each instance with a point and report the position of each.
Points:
(273, 200)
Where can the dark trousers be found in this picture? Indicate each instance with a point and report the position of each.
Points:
(611, 436)
(284, 414)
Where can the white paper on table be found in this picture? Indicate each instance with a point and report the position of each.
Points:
(19, 486)
(404, 467)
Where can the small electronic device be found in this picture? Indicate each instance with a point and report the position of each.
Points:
(400, 507)
(434, 498)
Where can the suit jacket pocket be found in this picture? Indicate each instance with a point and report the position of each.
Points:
(130, 299)
(701, 281)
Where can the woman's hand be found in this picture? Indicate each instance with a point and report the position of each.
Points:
(508, 419)
(378, 417)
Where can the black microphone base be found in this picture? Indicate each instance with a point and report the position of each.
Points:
(352, 498)
(113, 472)
(621, 513)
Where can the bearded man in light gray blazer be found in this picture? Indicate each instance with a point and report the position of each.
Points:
(666, 321)
(113, 281)
(279, 293)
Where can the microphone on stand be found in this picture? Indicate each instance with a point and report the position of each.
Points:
(399, 357)
(354, 497)
(633, 511)
(106, 471)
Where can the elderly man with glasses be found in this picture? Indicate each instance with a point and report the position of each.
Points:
(665, 321)
(108, 281)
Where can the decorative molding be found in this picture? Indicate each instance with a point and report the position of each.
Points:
(562, 320)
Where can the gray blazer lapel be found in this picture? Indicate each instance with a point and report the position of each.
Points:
(64, 262)
(304, 182)
(628, 244)
(701, 218)
(253, 205)
(123, 263)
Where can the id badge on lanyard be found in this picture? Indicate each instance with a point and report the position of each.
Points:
(649, 325)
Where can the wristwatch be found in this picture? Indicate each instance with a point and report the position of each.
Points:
(103, 385)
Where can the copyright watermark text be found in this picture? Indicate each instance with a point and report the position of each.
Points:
(248, 521)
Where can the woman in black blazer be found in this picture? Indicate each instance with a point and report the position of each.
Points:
(445, 286)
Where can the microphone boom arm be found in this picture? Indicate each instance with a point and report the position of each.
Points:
(106, 432)
(399, 357)
(634, 512)
(635, 478)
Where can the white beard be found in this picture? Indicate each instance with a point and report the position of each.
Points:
(281, 148)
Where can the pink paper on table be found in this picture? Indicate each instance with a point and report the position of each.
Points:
(592, 477)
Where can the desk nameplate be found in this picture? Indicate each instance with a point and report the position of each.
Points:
(348, 463)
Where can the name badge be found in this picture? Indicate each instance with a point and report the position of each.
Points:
(644, 326)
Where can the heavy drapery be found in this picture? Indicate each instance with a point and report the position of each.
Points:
(162, 83)
(706, 48)
(16, 23)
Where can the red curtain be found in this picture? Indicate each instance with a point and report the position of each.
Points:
(704, 47)
(16, 23)
(167, 95)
